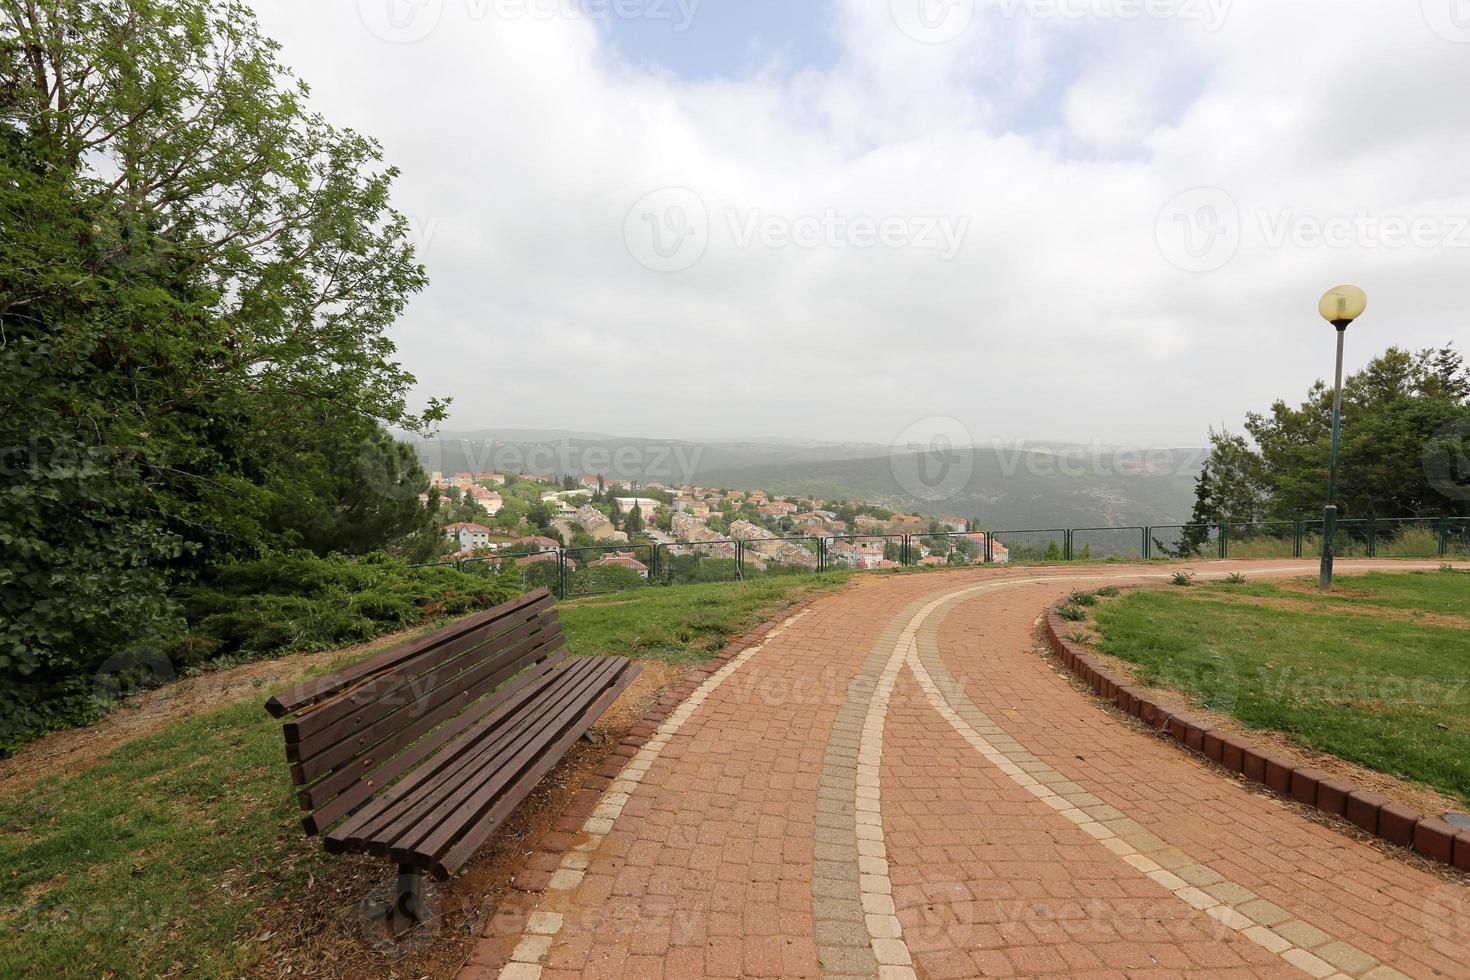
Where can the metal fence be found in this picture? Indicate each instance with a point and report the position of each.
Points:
(578, 572)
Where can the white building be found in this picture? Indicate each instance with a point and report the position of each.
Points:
(469, 536)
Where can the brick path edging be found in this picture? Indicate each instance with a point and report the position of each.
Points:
(508, 923)
(1400, 825)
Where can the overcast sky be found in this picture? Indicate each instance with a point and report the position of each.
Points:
(1054, 219)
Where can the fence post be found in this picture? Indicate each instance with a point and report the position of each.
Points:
(821, 554)
(561, 573)
(1146, 550)
(1067, 545)
(739, 561)
(1224, 547)
(989, 550)
(1373, 538)
(1444, 537)
(1297, 534)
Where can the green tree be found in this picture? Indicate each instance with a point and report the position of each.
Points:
(195, 279)
(634, 523)
(1395, 412)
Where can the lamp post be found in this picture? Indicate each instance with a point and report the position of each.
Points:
(1340, 307)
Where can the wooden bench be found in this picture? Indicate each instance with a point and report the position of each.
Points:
(419, 753)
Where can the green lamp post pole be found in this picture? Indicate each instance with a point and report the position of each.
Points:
(1340, 307)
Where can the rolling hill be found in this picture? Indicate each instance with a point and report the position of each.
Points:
(1029, 486)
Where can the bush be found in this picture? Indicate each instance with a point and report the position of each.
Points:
(1082, 599)
(1185, 579)
(1071, 613)
(1109, 592)
(250, 611)
(297, 601)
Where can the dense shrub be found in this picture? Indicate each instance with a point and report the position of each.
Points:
(251, 610)
(298, 601)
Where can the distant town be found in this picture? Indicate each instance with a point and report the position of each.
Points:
(608, 523)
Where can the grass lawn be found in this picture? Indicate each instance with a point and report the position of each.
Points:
(157, 859)
(1377, 673)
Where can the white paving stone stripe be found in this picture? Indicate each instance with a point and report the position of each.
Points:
(1263, 923)
(543, 926)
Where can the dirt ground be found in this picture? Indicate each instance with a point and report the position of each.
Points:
(74, 749)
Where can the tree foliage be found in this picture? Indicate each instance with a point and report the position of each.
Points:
(1405, 439)
(195, 279)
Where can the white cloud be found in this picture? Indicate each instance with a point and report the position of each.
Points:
(524, 143)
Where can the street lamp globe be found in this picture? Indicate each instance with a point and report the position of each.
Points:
(1342, 305)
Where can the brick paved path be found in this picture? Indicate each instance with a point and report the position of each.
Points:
(895, 784)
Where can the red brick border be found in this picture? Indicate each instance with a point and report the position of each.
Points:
(507, 924)
(1427, 836)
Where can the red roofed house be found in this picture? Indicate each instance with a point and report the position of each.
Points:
(622, 559)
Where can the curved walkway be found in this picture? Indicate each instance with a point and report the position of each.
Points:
(894, 784)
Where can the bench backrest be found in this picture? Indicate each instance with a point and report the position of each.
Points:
(358, 730)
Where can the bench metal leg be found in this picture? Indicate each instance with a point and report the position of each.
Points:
(407, 908)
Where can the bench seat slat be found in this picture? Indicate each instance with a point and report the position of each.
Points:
(350, 738)
(491, 769)
(343, 790)
(477, 832)
(420, 752)
(449, 769)
(509, 717)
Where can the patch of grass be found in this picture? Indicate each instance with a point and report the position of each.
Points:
(1436, 592)
(1109, 592)
(156, 856)
(1235, 578)
(679, 624)
(1071, 613)
(1183, 579)
(1387, 693)
(157, 859)
(1083, 599)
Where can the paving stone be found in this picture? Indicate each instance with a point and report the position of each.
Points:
(889, 829)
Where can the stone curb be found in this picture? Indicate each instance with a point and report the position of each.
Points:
(1426, 836)
(493, 947)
